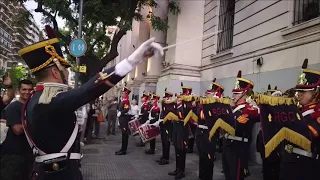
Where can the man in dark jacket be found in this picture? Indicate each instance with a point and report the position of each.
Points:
(112, 116)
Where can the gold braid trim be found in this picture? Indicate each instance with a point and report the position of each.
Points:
(187, 98)
(275, 100)
(169, 101)
(289, 135)
(170, 116)
(187, 118)
(54, 55)
(214, 100)
(223, 125)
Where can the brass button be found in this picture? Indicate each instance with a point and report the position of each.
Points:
(289, 148)
(55, 166)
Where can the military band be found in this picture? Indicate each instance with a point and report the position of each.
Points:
(181, 119)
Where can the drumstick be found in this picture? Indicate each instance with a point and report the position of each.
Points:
(183, 42)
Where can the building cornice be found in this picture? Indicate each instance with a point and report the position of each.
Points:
(298, 35)
(180, 69)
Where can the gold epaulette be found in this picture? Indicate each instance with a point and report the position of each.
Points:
(214, 100)
(187, 98)
(169, 101)
(275, 100)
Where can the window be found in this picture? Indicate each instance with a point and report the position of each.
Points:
(226, 23)
(305, 10)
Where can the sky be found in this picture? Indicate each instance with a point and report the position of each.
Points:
(31, 6)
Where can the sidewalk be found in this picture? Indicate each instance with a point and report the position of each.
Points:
(100, 163)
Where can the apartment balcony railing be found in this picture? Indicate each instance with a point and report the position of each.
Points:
(2, 4)
(5, 13)
(6, 26)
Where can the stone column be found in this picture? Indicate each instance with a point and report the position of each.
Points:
(154, 66)
(144, 34)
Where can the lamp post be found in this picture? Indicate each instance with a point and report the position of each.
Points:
(76, 76)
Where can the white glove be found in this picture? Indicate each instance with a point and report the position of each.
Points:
(119, 114)
(156, 123)
(277, 93)
(147, 122)
(144, 51)
(136, 116)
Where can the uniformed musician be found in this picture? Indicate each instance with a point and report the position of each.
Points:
(236, 148)
(144, 112)
(271, 164)
(179, 139)
(295, 162)
(51, 124)
(206, 148)
(153, 119)
(124, 119)
(187, 91)
(168, 106)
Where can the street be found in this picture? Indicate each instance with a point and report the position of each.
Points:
(100, 163)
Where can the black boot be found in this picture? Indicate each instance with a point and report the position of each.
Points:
(158, 161)
(149, 151)
(152, 147)
(180, 175)
(182, 165)
(164, 162)
(121, 152)
(124, 144)
(174, 173)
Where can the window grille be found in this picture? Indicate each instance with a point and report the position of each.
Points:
(305, 10)
(226, 24)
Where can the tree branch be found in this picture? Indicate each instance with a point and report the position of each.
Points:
(113, 53)
(90, 49)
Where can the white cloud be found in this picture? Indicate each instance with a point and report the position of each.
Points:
(31, 6)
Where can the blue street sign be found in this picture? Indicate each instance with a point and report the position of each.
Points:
(77, 47)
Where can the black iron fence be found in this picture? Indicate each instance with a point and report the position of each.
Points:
(305, 10)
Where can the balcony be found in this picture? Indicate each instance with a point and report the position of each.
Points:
(5, 14)
(6, 26)
(2, 4)
(19, 43)
(4, 47)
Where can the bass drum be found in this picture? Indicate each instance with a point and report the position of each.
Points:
(3, 132)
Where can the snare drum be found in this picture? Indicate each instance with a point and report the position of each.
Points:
(148, 132)
(134, 126)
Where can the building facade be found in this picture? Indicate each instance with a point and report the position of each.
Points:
(266, 40)
(14, 37)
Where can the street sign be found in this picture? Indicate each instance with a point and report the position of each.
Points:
(77, 47)
(83, 69)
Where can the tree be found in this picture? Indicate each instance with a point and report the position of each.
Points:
(98, 15)
(16, 74)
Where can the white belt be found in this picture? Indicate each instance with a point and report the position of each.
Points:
(236, 138)
(202, 126)
(42, 158)
(290, 149)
